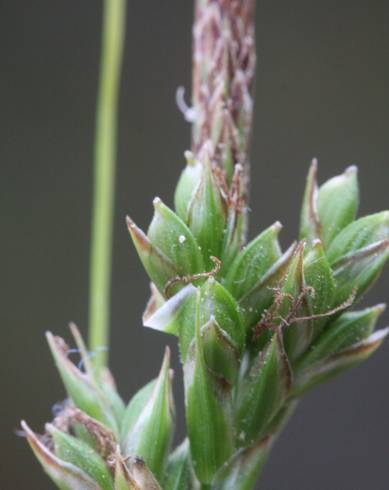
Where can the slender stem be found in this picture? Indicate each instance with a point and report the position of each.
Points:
(104, 178)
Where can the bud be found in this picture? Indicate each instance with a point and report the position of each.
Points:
(83, 388)
(208, 408)
(187, 185)
(309, 221)
(80, 454)
(241, 472)
(65, 475)
(149, 425)
(262, 391)
(335, 364)
(207, 215)
(337, 203)
(253, 262)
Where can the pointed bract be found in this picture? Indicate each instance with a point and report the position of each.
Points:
(295, 303)
(81, 387)
(358, 235)
(150, 434)
(319, 277)
(179, 472)
(217, 303)
(65, 475)
(337, 203)
(158, 266)
(357, 271)
(250, 266)
(310, 229)
(187, 184)
(123, 477)
(343, 332)
(169, 234)
(80, 454)
(242, 471)
(208, 412)
(255, 301)
(170, 316)
(142, 475)
(339, 362)
(262, 391)
(207, 215)
(220, 354)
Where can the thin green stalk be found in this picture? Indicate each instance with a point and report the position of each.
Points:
(104, 178)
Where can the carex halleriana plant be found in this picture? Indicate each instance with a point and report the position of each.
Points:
(257, 326)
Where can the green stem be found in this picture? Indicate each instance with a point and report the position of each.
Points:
(104, 178)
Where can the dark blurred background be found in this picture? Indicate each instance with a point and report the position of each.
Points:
(321, 90)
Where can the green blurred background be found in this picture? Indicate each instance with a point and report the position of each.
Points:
(321, 90)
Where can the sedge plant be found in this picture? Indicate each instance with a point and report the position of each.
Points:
(257, 326)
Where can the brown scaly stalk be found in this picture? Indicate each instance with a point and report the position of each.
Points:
(223, 74)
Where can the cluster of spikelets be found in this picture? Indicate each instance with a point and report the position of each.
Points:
(256, 327)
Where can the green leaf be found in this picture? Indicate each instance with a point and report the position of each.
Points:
(220, 354)
(207, 215)
(262, 391)
(186, 187)
(179, 472)
(343, 332)
(337, 363)
(250, 266)
(81, 387)
(217, 303)
(338, 201)
(242, 470)
(358, 235)
(310, 229)
(208, 412)
(80, 454)
(65, 475)
(151, 434)
(255, 301)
